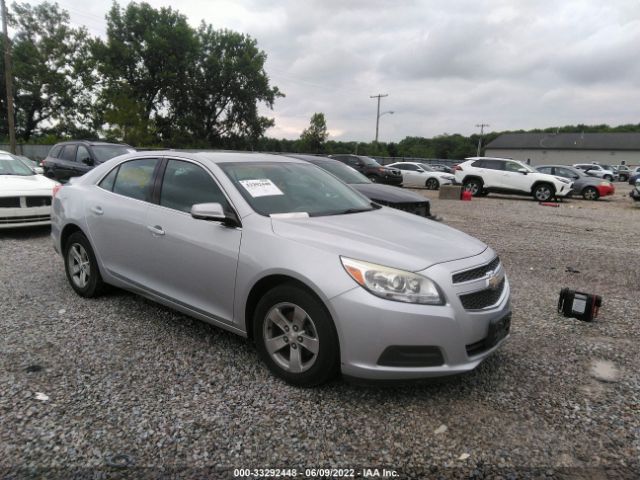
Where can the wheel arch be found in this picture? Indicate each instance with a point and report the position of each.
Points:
(537, 183)
(262, 286)
(68, 230)
(472, 177)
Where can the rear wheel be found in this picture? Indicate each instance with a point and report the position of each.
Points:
(81, 266)
(543, 192)
(474, 186)
(608, 178)
(590, 193)
(295, 336)
(432, 184)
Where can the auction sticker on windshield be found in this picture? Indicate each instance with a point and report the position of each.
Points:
(261, 187)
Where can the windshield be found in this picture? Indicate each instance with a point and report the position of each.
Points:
(107, 152)
(13, 166)
(344, 172)
(272, 188)
(427, 168)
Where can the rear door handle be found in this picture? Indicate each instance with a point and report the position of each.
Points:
(155, 229)
(97, 210)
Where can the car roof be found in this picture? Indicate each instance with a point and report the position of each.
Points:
(218, 157)
(92, 143)
(491, 158)
(313, 158)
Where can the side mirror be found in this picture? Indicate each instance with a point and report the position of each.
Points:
(214, 212)
(523, 171)
(87, 161)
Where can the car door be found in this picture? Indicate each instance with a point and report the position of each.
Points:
(514, 179)
(192, 262)
(64, 166)
(490, 170)
(116, 211)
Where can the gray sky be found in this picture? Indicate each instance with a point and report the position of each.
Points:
(446, 64)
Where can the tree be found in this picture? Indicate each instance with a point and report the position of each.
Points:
(313, 138)
(52, 71)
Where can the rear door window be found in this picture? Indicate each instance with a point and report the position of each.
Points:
(55, 151)
(135, 179)
(545, 170)
(68, 153)
(82, 154)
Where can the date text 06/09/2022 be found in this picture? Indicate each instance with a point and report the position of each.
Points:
(315, 472)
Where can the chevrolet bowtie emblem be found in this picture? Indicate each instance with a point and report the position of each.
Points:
(494, 280)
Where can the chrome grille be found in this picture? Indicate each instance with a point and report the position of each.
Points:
(477, 272)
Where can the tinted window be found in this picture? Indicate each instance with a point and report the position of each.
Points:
(565, 172)
(186, 184)
(512, 166)
(68, 153)
(407, 166)
(55, 151)
(134, 179)
(545, 170)
(82, 154)
(344, 172)
(107, 182)
(491, 164)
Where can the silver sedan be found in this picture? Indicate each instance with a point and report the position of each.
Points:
(277, 249)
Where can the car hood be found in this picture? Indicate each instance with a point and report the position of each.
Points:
(20, 185)
(384, 236)
(388, 193)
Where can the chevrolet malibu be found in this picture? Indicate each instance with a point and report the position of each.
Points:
(279, 250)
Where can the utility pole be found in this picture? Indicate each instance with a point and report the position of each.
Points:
(9, 80)
(481, 126)
(379, 96)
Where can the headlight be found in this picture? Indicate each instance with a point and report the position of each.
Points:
(393, 284)
(563, 180)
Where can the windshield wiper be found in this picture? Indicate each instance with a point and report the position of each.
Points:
(353, 210)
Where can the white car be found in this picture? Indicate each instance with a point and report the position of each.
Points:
(484, 175)
(421, 175)
(596, 170)
(25, 197)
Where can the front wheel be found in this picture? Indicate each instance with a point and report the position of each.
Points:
(543, 192)
(295, 336)
(81, 266)
(432, 184)
(608, 178)
(590, 193)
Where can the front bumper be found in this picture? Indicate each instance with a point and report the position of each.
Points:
(391, 179)
(368, 325)
(25, 217)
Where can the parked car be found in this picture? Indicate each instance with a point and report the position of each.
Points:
(75, 158)
(621, 172)
(387, 195)
(25, 197)
(440, 167)
(416, 174)
(590, 188)
(371, 169)
(634, 174)
(484, 175)
(596, 170)
(323, 280)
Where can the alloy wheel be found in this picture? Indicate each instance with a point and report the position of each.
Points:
(79, 265)
(290, 337)
(543, 193)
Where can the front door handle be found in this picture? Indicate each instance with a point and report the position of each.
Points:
(97, 210)
(155, 229)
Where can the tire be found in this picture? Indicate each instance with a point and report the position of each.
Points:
(432, 184)
(543, 192)
(590, 193)
(81, 267)
(623, 178)
(283, 311)
(474, 185)
(609, 178)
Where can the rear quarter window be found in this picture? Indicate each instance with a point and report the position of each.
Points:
(55, 151)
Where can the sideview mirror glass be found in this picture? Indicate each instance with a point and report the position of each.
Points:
(208, 211)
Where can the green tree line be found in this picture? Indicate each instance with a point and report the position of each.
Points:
(156, 81)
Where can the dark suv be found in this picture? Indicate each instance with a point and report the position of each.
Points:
(371, 169)
(75, 158)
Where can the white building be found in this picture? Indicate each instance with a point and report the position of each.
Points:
(568, 148)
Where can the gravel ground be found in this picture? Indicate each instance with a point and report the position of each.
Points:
(83, 381)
